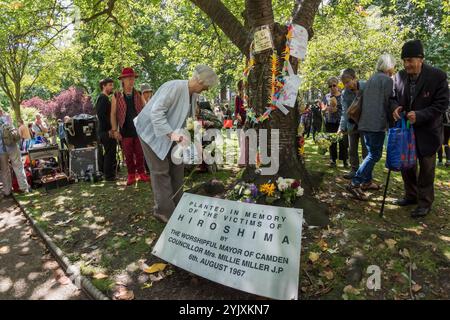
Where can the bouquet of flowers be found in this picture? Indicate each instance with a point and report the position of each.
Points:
(286, 189)
(244, 192)
(325, 140)
(290, 189)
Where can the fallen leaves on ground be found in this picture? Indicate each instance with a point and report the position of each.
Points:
(416, 287)
(155, 268)
(404, 253)
(61, 277)
(328, 274)
(4, 250)
(123, 293)
(100, 275)
(390, 243)
(314, 256)
(350, 290)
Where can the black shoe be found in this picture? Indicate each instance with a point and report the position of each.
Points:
(404, 202)
(350, 175)
(111, 179)
(345, 164)
(333, 164)
(420, 212)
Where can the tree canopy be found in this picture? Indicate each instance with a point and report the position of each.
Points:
(51, 45)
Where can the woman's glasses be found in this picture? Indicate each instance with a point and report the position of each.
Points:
(332, 86)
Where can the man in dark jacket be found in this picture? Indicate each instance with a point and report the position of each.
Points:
(422, 93)
(107, 159)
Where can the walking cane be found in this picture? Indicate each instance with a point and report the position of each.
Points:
(385, 193)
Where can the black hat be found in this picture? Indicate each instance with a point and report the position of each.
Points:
(412, 49)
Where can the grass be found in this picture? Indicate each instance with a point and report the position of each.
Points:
(107, 227)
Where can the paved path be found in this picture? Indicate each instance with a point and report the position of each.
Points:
(27, 270)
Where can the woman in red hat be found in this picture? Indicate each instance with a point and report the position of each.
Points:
(125, 106)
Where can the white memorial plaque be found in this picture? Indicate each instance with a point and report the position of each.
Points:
(253, 248)
(299, 42)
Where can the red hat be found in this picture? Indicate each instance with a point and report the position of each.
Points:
(127, 73)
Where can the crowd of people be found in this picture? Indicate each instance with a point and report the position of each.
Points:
(419, 93)
(145, 125)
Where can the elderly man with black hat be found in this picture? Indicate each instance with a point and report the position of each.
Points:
(422, 94)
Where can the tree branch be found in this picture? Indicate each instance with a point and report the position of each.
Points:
(227, 22)
(304, 13)
(108, 11)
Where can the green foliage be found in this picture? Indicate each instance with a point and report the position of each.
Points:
(346, 38)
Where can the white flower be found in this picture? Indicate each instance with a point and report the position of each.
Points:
(190, 124)
(247, 192)
(300, 191)
(289, 181)
(283, 186)
(237, 187)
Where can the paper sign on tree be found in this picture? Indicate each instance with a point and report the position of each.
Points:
(299, 42)
(289, 92)
(262, 39)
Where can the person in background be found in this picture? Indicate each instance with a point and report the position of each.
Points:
(40, 129)
(168, 111)
(316, 118)
(108, 159)
(228, 113)
(305, 120)
(30, 128)
(125, 106)
(25, 136)
(10, 153)
(332, 109)
(62, 132)
(54, 133)
(421, 93)
(147, 92)
(373, 124)
(445, 143)
(240, 115)
(353, 87)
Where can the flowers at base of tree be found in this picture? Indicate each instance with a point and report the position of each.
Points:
(325, 140)
(268, 189)
(244, 192)
(290, 189)
(267, 193)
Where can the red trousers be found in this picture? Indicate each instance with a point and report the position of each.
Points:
(134, 157)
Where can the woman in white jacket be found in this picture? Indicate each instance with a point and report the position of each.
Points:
(157, 126)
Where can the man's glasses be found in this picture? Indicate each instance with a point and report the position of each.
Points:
(332, 85)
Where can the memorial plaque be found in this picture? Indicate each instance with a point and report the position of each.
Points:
(250, 247)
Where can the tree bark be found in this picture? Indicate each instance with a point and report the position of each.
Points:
(258, 13)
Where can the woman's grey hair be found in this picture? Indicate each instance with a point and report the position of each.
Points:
(385, 62)
(205, 75)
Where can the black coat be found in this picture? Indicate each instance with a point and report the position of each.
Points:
(430, 102)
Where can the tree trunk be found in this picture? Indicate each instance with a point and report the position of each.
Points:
(16, 108)
(223, 93)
